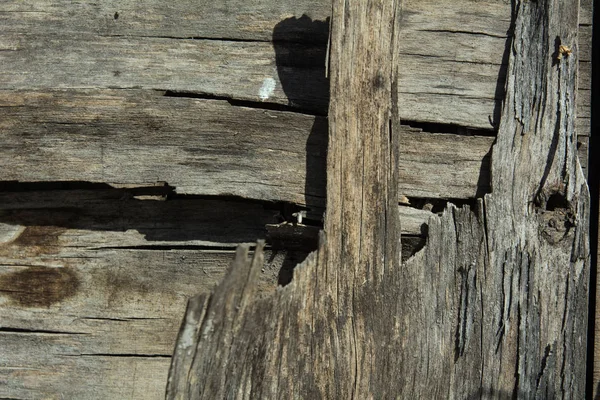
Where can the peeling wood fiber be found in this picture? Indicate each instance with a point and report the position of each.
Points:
(494, 306)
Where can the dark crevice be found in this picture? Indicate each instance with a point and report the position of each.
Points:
(463, 32)
(123, 319)
(176, 247)
(411, 245)
(37, 331)
(243, 103)
(432, 127)
(545, 359)
(17, 186)
(303, 38)
(117, 355)
(47, 208)
(500, 91)
(205, 38)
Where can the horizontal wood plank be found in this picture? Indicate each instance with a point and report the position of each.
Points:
(94, 283)
(252, 20)
(206, 147)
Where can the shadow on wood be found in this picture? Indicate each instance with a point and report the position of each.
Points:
(494, 305)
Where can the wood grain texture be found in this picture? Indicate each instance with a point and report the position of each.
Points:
(93, 285)
(495, 305)
(93, 282)
(206, 147)
(453, 53)
(336, 282)
(148, 44)
(518, 265)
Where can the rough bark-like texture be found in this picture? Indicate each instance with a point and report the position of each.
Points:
(93, 284)
(94, 281)
(322, 336)
(494, 306)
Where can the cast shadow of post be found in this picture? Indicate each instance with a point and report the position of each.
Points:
(300, 53)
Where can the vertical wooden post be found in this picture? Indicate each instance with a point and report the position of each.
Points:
(327, 332)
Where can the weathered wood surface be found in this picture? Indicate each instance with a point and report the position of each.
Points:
(94, 282)
(93, 285)
(148, 44)
(453, 52)
(207, 147)
(495, 306)
(362, 181)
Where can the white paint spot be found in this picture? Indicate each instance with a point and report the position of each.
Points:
(267, 88)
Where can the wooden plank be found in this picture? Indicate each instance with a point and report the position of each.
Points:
(98, 290)
(417, 172)
(459, 43)
(585, 43)
(586, 12)
(53, 375)
(495, 305)
(206, 147)
(194, 221)
(240, 70)
(252, 20)
(148, 46)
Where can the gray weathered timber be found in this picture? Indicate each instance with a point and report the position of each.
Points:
(149, 44)
(93, 286)
(207, 147)
(317, 323)
(233, 69)
(114, 337)
(452, 63)
(250, 20)
(95, 281)
(495, 305)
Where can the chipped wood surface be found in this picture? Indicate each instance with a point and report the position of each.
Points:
(207, 147)
(494, 306)
(111, 269)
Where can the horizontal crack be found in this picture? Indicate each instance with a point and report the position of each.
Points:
(206, 38)
(38, 331)
(241, 103)
(176, 247)
(432, 127)
(122, 319)
(124, 355)
(464, 32)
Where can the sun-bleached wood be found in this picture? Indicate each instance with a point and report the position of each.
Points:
(93, 285)
(494, 306)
